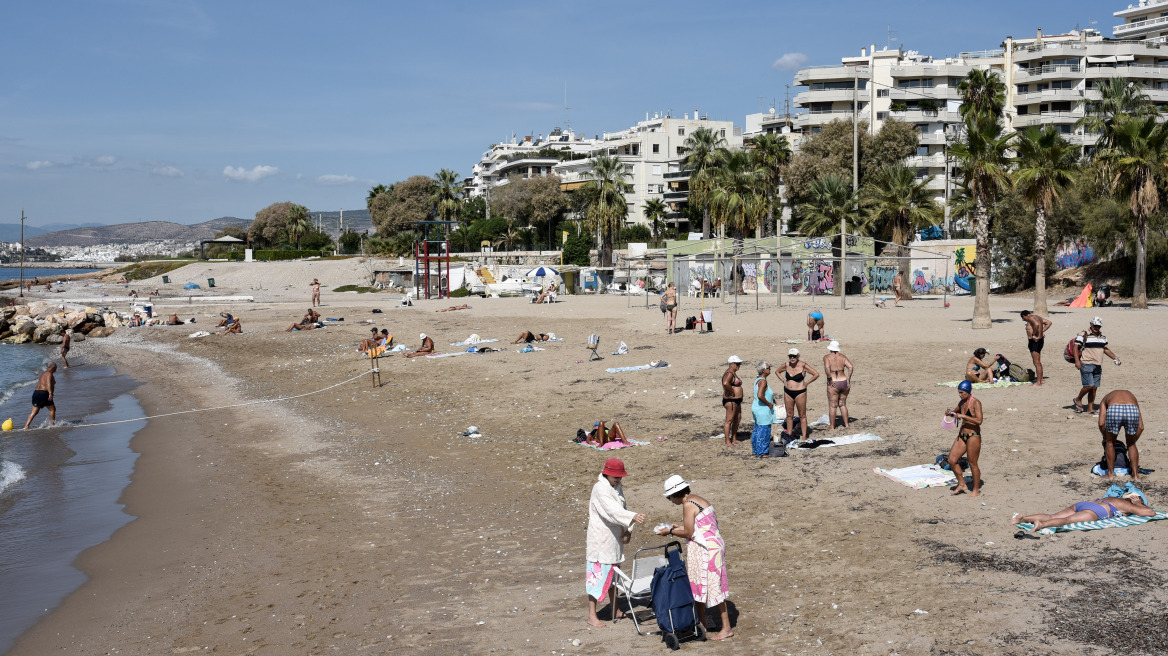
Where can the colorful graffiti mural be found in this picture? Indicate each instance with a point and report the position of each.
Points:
(965, 266)
(1075, 254)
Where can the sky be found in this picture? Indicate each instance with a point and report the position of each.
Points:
(187, 110)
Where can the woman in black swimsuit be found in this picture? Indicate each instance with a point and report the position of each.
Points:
(732, 399)
(795, 382)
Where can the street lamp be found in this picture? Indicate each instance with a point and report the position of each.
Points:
(22, 253)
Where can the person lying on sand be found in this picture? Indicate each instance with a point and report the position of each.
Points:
(1088, 511)
(307, 322)
(598, 436)
(235, 328)
(173, 320)
(529, 337)
(426, 348)
(454, 307)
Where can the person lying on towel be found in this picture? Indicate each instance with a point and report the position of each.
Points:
(598, 436)
(1132, 503)
(529, 337)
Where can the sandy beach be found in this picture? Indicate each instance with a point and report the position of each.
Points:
(357, 519)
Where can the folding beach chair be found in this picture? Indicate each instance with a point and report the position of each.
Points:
(637, 589)
(593, 342)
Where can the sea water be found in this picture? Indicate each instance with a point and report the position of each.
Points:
(46, 274)
(59, 487)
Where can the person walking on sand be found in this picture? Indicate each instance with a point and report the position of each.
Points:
(968, 442)
(705, 555)
(670, 309)
(1090, 347)
(315, 292)
(42, 397)
(1120, 409)
(897, 281)
(66, 340)
(1036, 328)
(795, 389)
(762, 408)
(732, 399)
(610, 524)
(839, 381)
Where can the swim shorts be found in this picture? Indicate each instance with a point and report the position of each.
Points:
(1091, 375)
(1036, 345)
(1122, 415)
(40, 399)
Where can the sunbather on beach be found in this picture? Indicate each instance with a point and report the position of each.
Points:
(234, 328)
(548, 294)
(599, 436)
(529, 337)
(454, 307)
(227, 320)
(1088, 511)
(369, 342)
(978, 370)
(426, 348)
(307, 322)
(173, 320)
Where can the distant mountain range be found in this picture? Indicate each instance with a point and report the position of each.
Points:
(92, 234)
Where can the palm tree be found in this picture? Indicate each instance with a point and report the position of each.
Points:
(982, 96)
(509, 235)
(606, 209)
(982, 157)
(298, 223)
(702, 150)
(448, 196)
(771, 153)
(830, 199)
(1046, 166)
(1118, 96)
(373, 193)
(736, 199)
(900, 204)
(1137, 167)
(655, 211)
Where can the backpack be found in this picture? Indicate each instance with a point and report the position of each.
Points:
(1020, 373)
(1069, 351)
(690, 322)
(1121, 461)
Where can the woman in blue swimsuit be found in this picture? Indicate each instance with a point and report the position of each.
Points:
(1088, 511)
(815, 326)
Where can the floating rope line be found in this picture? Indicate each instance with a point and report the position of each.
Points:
(222, 407)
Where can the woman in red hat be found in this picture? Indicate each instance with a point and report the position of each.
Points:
(609, 529)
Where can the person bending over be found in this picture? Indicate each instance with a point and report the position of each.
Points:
(1088, 511)
(529, 337)
(426, 348)
(1117, 410)
(815, 326)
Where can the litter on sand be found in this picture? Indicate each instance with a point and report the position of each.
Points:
(474, 339)
(919, 477)
(835, 441)
(658, 364)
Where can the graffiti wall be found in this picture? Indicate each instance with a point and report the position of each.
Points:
(1075, 254)
(941, 266)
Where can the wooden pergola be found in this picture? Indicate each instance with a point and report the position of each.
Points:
(225, 239)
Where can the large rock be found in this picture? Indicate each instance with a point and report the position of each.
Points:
(8, 312)
(111, 319)
(5, 334)
(43, 331)
(53, 339)
(24, 326)
(43, 310)
(77, 337)
(20, 339)
(74, 319)
(87, 327)
(101, 331)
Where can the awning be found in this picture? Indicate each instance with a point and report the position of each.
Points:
(1101, 60)
(1125, 58)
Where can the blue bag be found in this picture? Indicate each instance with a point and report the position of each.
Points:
(673, 601)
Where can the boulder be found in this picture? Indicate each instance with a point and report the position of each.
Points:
(43, 310)
(77, 337)
(8, 312)
(111, 319)
(21, 310)
(20, 339)
(74, 319)
(43, 331)
(5, 334)
(53, 339)
(24, 326)
(101, 331)
(86, 328)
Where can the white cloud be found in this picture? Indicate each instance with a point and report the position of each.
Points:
(38, 164)
(243, 175)
(105, 160)
(790, 61)
(167, 172)
(335, 180)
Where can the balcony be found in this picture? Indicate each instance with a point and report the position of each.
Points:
(1048, 95)
(935, 161)
(827, 95)
(1048, 73)
(676, 196)
(918, 116)
(1085, 139)
(1047, 118)
(830, 73)
(1139, 27)
(932, 70)
(676, 175)
(919, 93)
(933, 138)
(823, 118)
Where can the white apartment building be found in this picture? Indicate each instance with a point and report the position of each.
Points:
(527, 157)
(1144, 21)
(654, 152)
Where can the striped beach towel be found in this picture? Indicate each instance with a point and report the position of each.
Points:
(1114, 522)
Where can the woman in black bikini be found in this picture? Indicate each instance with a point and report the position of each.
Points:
(968, 442)
(795, 384)
(732, 399)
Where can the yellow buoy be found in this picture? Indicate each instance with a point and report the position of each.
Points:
(7, 425)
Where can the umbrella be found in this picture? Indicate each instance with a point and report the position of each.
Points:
(540, 272)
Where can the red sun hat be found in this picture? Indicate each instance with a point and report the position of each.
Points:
(614, 467)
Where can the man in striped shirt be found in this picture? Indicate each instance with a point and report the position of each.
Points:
(1090, 347)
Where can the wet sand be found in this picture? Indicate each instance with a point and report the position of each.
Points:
(358, 521)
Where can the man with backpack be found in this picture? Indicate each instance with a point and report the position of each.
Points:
(1036, 328)
(1089, 349)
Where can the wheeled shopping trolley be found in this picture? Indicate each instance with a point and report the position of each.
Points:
(669, 602)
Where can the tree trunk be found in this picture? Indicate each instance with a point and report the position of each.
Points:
(981, 302)
(705, 223)
(770, 220)
(738, 269)
(1140, 288)
(1040, 261)
(905, 268)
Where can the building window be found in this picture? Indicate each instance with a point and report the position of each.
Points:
(681, 132)
(656, 148)
(636, 149)
(1023, 110)
(1062, 84)
(1023, 88)
(882, 93)
(722, 133)
(881, 116)
(680, 151)
(922, 150)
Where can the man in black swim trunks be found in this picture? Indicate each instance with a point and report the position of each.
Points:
(1036, 328)
(43, 396)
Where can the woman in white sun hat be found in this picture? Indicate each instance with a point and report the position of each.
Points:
(839, 371)
(705, 556)
(797, 376)
(426, 348)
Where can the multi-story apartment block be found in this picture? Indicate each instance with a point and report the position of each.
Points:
(1145, 21)
(529, 157)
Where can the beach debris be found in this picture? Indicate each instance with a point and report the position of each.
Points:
(920, 612)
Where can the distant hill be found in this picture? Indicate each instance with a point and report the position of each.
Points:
(131, 233)
(11, 231)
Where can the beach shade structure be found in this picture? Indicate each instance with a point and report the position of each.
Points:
(542, 272)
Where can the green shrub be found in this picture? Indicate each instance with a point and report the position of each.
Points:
(461, 292)
(356, 288)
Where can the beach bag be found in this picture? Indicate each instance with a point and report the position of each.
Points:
(663, 304)
(673, 601)
(690, 322)
(1020, 373)
(1069, 351)
(1003, 366)
(1121, 461)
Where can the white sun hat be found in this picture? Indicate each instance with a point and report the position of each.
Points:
(734, 359)
(833, 346)
(674, 484)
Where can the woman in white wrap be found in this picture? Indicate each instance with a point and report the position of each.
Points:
(610, 525)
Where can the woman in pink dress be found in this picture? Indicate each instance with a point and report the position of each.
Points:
(705, 556)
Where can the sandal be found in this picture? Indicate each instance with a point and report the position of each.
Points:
(1078, 408)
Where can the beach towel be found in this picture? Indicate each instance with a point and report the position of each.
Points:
(1085, 299)
(1114, 522)
(836, 441)
(613, 445)
(474, 339)
(200, 333)
(375, 352)
(825, 338)
(1000, 383)
(529, 349)
(398, 349)
(446, 355)
(919, 477)
(642, 367)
